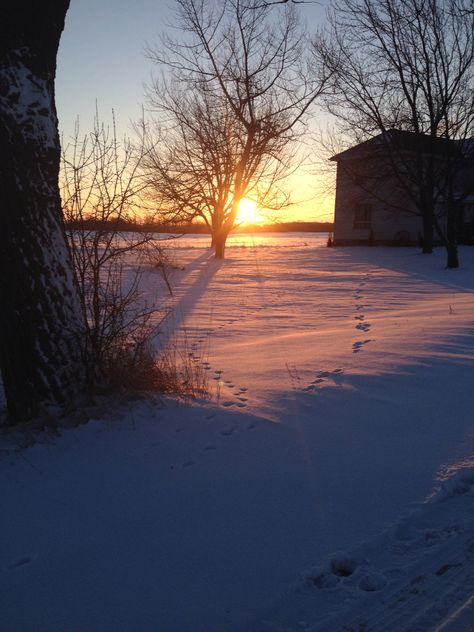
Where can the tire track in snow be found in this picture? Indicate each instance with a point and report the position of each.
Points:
(410, 578)
(430, 588)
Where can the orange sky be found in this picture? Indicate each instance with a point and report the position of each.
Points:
(101, 62)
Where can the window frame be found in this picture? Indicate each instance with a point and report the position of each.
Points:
(362, 216)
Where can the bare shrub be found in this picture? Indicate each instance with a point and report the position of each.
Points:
(101, 196)
(181, 375)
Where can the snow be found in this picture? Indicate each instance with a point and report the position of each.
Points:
(327, 485)
(28, 101)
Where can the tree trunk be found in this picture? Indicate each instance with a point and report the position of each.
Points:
(40, 318)
(219, 245)
(427, 248)
(451, 241)
(453, 257)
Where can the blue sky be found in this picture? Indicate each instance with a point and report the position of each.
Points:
(101, 58)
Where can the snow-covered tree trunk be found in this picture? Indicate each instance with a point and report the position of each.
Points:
(40, 317)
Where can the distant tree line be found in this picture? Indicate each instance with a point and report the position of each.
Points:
(198, 228)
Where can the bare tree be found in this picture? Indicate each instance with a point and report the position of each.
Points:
(40, 318)
(407, 65)
(235, 98)
(101, 190)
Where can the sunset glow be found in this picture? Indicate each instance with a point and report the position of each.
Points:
(248, 211)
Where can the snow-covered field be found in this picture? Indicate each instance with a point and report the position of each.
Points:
(328, 485)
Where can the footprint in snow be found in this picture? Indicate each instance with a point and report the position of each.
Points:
(21, 561)
(357, 346)
(339, 567)
(322, 374)
(321, 377)
(372, 582)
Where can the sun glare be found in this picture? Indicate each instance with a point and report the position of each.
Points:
(247, 213)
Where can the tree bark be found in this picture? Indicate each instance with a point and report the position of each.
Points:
(219, 246)
(40, 317)
(451, 238)
(453, 255)
(427, 219)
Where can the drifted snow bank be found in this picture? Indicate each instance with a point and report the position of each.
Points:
(328, 483)
(417, 575)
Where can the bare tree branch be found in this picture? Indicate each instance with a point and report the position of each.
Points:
(238, 90)
(407, 65)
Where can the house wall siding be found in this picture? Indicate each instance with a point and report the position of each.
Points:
(389, 225)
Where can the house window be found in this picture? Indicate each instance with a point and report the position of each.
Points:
(362, 216)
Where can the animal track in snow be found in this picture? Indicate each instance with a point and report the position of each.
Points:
(322, 377)
(427, 575)
(361, 324)
(357, 346)
(240, 400)
(21, 561)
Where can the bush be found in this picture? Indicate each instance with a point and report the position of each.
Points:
(101, 193)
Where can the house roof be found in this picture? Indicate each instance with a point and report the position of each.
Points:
(398, 140)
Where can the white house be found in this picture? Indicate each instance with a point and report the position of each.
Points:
(381, 182)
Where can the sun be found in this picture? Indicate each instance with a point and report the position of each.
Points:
(247, 213)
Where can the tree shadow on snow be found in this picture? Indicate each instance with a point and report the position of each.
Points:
(192, 286)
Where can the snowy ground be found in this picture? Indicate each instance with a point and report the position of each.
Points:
(329, 484)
